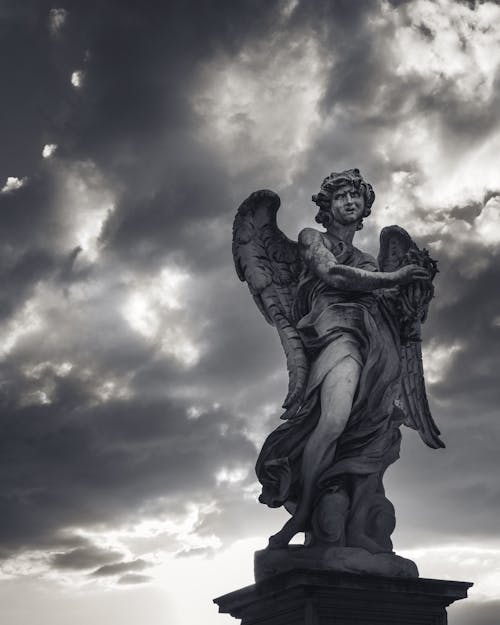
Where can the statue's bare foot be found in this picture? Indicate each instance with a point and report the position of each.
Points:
(285, 535)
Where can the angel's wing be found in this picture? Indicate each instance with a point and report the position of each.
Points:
(414, 398)
(411, 306)
(269, 263)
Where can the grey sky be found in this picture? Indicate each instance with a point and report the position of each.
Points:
(137, 377)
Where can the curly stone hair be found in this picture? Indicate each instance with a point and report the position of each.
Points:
(323, 199)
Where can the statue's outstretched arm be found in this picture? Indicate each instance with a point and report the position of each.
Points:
(325, 265)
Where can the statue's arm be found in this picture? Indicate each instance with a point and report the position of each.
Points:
(324, 264)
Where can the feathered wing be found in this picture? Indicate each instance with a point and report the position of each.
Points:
(414, 397)
(411, 305)
(269, 263)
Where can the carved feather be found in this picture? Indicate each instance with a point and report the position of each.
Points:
(414, 397)
(269, 263)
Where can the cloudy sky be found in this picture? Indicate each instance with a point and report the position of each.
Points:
(137, 378)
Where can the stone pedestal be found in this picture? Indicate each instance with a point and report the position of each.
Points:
(301, 597)
(269, 562)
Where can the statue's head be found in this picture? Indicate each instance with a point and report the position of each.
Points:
(334, 181)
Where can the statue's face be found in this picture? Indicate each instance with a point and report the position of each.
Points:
(348, 205)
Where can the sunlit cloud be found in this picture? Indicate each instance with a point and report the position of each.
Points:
(438, 359)
(193, 412)
(152, 297)
(26, 322)
(266, 98)
(49, 150)
(487, 225)
(196, 411)
(35, 398)
(77, 78)
(440, 51)
(231, 476)
(41, 376)
(86, 203)
(160, 538)
(176, 341)
(154, 310)
(465, 49)
(256, 417)
(12, 184)
(29, 563)
(140, 317)
(78, 567)
(38, 370)
(108, 390)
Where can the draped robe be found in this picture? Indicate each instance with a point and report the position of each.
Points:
(335, 325)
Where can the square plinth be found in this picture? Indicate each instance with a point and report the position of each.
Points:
(302, 597)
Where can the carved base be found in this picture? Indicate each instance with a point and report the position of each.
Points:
(269, 562)
(323, 598)
(354, 512)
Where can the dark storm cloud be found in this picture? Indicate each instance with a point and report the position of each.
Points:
(82, 461)
(26, 253)
(21, 275)
(111, 460)
(463, 121)
(33, 88)
(368, 97)
(84, 558)
(471, 320)
(133, 578)
(465, 400)
(134, 119)
(363, 75)
(459, 484)
(120, 567)
(36, 95)
(466, 309)
(426, 31)
(355, 47)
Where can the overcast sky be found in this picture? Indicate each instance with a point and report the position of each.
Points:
(137, 377)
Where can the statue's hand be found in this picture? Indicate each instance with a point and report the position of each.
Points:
(410, 273)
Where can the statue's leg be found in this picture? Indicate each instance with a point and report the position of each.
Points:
(337, 394)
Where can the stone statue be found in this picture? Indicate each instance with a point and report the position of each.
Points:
(350, 328)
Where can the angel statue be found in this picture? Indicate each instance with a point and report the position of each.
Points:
(350, 328)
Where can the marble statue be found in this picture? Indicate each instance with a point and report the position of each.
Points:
(350, 328)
